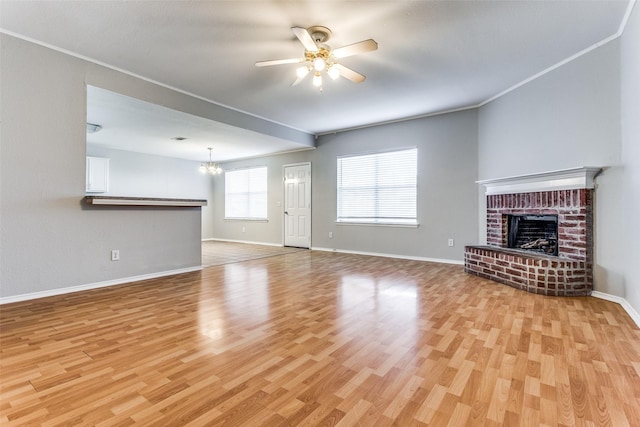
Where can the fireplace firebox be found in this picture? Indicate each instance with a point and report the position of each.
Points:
(535, 233)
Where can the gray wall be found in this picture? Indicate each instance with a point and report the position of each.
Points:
(48, 240)
(143, 175)
(266, 232)
(630, 85)
(447, 169)
(567, 118)
(447, 204)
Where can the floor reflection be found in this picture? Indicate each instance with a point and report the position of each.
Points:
(373, 306)
(243, 300)
(385, 294)
(246, 289)
(211, 326)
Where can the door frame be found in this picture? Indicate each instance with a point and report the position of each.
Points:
(284, 206)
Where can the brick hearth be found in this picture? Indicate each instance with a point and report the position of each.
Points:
(568, 274)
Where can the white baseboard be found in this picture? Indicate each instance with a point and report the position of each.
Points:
(635, 316)
(413, 258)
(213, 239)
(96, 285)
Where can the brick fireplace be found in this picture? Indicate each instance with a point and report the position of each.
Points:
(564, 267)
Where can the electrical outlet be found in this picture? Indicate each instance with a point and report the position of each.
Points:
(243, 229)
(450, 242)
(115, 255)
(331, 234)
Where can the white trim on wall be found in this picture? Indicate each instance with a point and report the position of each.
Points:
(583, 52)
(409, 257)
(567, 60)
(214, 239)
(529, 79)
(96, 285)
(635, 316)
(141, 77)
(566, 179)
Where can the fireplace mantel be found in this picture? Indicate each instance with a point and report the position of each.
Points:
(566, 179)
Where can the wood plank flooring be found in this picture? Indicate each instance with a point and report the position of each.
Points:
(318, 339)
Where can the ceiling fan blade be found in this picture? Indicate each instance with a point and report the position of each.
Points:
(279, 62)
(356, 48)
(348, 73)
(305, 38)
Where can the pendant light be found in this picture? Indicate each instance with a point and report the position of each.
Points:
(210, 167)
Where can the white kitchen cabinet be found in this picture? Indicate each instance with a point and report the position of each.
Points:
(97, 175)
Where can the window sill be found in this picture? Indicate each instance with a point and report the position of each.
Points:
(379, 224)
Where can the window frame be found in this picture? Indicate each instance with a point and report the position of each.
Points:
(377, 220)
(248, 193)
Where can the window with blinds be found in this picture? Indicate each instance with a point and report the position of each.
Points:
(378, 188)
(245, 194)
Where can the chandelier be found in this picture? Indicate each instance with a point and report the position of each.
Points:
(210, 167)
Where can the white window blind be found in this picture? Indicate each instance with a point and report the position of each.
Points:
(245, 193)
(378, 188)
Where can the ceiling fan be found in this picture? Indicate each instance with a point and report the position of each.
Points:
(319, 57)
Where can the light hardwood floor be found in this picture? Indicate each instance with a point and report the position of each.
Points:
(317, 338)
(215, 252)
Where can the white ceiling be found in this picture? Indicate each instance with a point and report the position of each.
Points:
(433, 56)
(134, 125)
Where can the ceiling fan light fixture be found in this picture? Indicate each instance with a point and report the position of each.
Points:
(333, 72)
(317, 79)
(319, 57)
(319, 64)
(301, 72)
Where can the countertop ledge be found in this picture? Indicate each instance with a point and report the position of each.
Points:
(142, 201)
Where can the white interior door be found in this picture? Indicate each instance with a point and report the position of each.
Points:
(297, 205)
